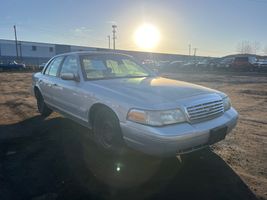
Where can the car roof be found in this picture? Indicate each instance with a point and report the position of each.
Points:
(93, 53)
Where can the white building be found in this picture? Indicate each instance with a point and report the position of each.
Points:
(26, 49)
(36, 53)
(33, 53)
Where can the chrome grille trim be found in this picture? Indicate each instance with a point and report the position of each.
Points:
(205, 111)
(199, 111)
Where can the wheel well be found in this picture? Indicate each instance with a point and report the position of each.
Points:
(36, 90)
(95, 108)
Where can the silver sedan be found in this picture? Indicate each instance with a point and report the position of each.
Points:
(126, 104)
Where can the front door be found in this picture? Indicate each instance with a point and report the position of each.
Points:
(49, 79)
(67, 95)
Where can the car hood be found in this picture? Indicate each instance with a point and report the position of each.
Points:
(151, 90)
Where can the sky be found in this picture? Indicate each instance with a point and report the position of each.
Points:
(213, 27)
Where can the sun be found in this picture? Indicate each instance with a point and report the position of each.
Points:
(147, 36)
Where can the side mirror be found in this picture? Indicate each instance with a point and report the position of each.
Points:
(70, 76)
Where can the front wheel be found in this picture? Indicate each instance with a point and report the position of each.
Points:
(42, 107)
(107, 132)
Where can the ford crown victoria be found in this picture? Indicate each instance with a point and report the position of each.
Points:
(126, 104)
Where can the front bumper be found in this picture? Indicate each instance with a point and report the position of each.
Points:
(174, 139)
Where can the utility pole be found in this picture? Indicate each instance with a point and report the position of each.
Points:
(189, 49)
(16, 41)
(20, 51)
(109, 41)
(195, 51)
(114, 35)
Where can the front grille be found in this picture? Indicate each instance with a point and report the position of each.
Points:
(205, 111)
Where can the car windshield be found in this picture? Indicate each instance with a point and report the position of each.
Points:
(111, 66)
(241, 59)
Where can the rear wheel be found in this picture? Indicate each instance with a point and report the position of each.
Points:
(42, 107)
(107, 132)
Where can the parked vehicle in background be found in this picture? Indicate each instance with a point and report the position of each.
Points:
(243, 63)
(189, 66)
(163, 64)
(148, 62)
(212, 63)
(225, 63)
(174, 66)
(261, 65)
(12, 66)
(126, 104)
(152, 64)
(202, 65)
(41, 66)
(177, 63)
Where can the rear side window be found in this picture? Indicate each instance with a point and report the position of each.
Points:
(54, 66)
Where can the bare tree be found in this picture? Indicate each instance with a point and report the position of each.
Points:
(244, 47)
(247, 47)
(256, 46)
(265, 49)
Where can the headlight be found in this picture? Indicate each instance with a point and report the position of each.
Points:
(156, 118)
(226, 103)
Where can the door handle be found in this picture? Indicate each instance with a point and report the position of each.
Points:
(54, 84)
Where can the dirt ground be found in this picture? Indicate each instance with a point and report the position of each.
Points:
(53, 158)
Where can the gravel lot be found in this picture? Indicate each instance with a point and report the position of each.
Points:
(54, 159)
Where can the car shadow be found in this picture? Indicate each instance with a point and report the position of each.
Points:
(55, 159)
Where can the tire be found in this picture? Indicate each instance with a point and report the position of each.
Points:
(42, 107)
(107, 132)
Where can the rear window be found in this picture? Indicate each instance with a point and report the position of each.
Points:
(241, 59)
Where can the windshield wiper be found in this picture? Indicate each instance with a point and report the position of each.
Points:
(117, 77)
(134, 76)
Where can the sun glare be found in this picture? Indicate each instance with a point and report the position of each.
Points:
(147, 36)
